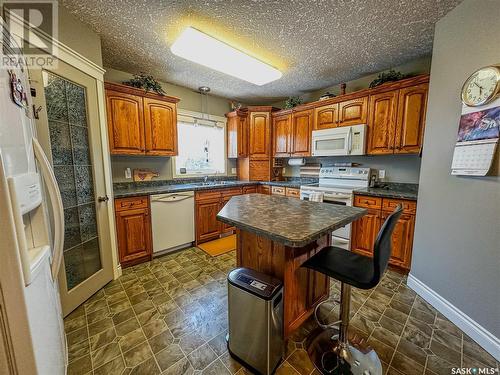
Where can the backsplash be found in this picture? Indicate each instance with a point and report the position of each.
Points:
(398, 168)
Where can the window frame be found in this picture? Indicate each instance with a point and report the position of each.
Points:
(183, 114)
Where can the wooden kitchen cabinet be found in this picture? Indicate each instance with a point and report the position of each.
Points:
(125, 123)
(260, 136)
(292, 192)
(382, 123)
(326, 117)
(140, 122)
(160, 123)
(282, 128)
(301, 133)
(397, 120)
(207, 225)
(208, 203)
(402, 239)
(250, 189)
(264, 189)
(353, 112)
(237, 134)
(364, 231)
(133, 230)
(411, 119)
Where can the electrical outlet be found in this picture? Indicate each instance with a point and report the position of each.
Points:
(381, 174)
(233, 170)
(128, 173)
(284, 170)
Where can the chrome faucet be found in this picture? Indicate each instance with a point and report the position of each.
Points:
(205, 179)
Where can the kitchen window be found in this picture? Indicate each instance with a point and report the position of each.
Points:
(202, 146)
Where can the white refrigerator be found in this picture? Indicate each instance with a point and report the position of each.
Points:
(32, 339)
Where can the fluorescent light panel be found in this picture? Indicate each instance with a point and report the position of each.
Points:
(201, 48)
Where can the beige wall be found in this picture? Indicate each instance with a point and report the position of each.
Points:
(78, 36)
(456, 252)
(191, 101)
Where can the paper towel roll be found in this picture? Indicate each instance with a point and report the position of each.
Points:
(301, 161)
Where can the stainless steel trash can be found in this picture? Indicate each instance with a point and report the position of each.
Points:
(255, 309)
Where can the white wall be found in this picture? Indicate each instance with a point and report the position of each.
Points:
(456, 252)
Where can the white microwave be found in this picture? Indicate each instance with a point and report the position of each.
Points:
(344, 140)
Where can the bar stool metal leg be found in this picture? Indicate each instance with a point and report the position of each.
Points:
(334, 352)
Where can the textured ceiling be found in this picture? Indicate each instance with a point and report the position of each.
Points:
(314, 43)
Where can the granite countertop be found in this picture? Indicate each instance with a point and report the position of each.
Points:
(289, 221)
(391, 190)
(131, 189)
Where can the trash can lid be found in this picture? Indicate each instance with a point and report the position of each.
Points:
(257, 283)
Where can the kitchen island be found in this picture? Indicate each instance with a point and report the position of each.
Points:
(276, 235)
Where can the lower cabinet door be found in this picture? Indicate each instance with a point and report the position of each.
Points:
(225, 228)
(134, 236)
(402, 240)
(207, 225)
(364, 232)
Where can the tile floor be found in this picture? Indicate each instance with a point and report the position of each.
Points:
(169, 317)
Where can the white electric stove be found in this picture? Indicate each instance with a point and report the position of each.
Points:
(337, 185)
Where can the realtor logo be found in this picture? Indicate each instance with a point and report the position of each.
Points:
(29, 29)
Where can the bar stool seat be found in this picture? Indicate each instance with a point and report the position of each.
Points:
(331, 350)
(345, 266)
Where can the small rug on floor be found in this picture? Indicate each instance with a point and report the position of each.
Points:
(220, 246)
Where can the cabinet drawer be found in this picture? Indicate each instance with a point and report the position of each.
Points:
(264, 189)
(367, 202)
(122, 204)
(207, 195)
(291, 192)
(409, 207)
(231, 192)
(249, 189)
(277, 190)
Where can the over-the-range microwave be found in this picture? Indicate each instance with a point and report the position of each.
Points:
(344, 140)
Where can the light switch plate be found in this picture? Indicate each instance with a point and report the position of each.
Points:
(381, 174)
(128, 173)
(233, 170)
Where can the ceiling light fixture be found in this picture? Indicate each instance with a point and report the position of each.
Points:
(203, 49)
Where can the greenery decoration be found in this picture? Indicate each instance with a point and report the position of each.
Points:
(145, 82)
(292, 101)
(389, 76)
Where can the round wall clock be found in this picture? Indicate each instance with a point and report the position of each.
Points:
(481, 87)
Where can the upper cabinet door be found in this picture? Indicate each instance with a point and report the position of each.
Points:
(125, 123)
(281, 137)
(242, 148)
(301, 133)
(260, 136)
(411, 119)
(382, 123)
(160, 127)
(232, 136)
(326, 117)
(353, 112)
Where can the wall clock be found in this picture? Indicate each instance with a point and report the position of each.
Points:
(481, 87)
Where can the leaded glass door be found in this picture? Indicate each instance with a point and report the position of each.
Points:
(69, 130)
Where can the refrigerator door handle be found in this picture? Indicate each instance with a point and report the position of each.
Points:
(57, 206)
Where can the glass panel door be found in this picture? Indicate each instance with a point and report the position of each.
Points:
(69, 129)
(69, 142)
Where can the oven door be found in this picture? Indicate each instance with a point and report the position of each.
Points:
(332, 142)
(344, 200)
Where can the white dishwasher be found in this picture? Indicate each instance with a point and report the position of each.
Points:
(172, 217)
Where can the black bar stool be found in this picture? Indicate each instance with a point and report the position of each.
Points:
(331, 351)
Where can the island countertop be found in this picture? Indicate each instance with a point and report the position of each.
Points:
(289, 221)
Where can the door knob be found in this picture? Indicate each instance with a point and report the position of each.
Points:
(103, 199)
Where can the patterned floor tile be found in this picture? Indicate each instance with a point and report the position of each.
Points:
(169, 316)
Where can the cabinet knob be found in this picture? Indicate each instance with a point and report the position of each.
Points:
(103, 198)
